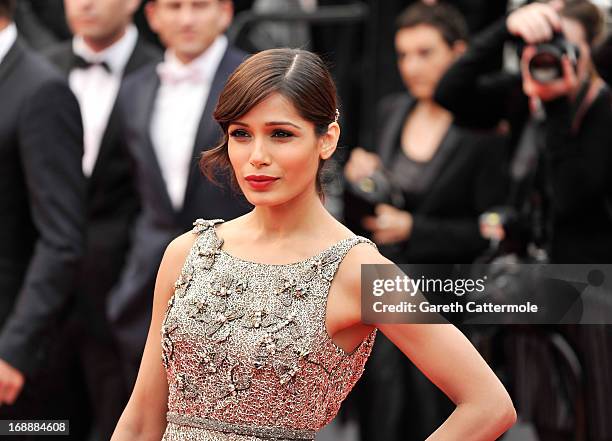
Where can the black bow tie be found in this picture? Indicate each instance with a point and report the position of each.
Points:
(79, 62)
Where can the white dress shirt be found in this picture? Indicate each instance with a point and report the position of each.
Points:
(8, 36)
(179, 105)
(96, 89)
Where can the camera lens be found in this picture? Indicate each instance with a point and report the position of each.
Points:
(545, 67)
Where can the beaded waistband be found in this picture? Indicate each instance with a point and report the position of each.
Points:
(270, 433)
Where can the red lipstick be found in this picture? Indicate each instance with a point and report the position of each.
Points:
(260, 182)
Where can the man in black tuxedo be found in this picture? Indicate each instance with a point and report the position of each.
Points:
(42, 220)
(105, 49)
(168, 122)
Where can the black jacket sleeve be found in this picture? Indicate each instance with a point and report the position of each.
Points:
(475, 96)
(51, 147)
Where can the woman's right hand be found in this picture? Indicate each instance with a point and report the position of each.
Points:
(536, 22)
(361, 164)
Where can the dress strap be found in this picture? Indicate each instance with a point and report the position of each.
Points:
(327, 264)
(345, 246)
(202, 225)
(205, 236)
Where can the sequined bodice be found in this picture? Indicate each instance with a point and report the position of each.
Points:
(245, 346)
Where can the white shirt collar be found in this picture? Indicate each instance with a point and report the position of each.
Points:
(8, 36)
(116, 55)
(207, 62)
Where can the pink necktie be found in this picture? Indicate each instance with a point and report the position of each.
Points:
(170, 73)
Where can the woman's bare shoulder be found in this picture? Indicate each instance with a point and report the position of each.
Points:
(170, 269)
(180, 246)
(176, 253)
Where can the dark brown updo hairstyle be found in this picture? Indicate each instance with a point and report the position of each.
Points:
(298, 75)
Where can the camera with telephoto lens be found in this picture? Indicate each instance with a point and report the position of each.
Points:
(545, 66)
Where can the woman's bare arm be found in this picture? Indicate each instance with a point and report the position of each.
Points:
(144, 417)
(484, 409)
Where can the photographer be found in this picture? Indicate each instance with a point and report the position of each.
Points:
(560, 117)
(570, 149)
(419, 195)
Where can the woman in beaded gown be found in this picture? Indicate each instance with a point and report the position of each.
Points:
(256, 332)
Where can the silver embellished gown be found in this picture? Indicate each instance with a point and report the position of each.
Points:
(245, 347)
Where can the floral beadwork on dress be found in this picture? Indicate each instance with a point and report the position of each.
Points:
(245, 346)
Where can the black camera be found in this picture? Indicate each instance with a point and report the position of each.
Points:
(379, 188)
(545, 66)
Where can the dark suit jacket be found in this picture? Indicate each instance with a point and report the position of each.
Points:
(470, 180)
(112, 203)
(42, 202)
(158, 223)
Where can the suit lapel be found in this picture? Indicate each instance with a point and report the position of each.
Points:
(140, 57)
(388, 139)
(389, 145)
(146, 101)
(208, 133)
(10, 60)
(434, 171)
(137, 59)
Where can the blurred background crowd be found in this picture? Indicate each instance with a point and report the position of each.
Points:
(472, 131)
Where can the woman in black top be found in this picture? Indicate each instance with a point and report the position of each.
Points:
(446, 177)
